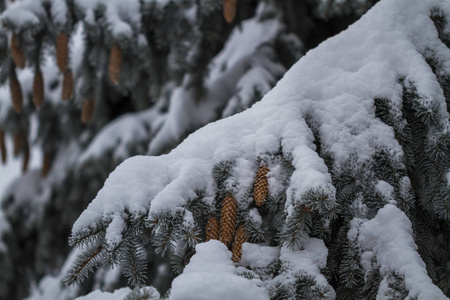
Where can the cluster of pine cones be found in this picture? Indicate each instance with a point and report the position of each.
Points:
(226, 231)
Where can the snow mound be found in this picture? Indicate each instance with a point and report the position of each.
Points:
(212, 275)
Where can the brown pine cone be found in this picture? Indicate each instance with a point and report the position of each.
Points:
(212, 229)
(67, 87)
(228, 219)
(62, 51)
(261, 186)
(38, 89)
(17, 53)
(87, 111)
(229, 10)
(16, 93)
(239, 239)
(115, 63)
(46, 164)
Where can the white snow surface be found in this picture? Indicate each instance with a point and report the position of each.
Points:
(389, 235)
(122, 17)
(212, 275)
(119, 294)
(335, 85)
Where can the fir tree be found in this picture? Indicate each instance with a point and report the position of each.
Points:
(352, 147)
(88, 85)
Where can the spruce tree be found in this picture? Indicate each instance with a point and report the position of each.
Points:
(89, 84)
(334, 186)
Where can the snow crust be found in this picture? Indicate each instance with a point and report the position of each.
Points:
(389, 235)
(122, 17)
(212, 275)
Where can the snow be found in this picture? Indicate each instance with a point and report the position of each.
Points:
(123, 18)
(120, 294)
(390, 236)
(248, 64)
(119, 135)
(256, 256)
(334, 84)
(243, 42)
(23, 14)
(212, 275)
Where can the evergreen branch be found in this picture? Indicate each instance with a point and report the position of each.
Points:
(134, 263)
(85, 263)
(146, 293)
(88, 235)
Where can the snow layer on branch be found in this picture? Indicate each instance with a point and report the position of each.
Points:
(121, 134)
(122, 17)
(240, 68)
(212, 275)
(23, 14)
(334, 86)
(59, 11)
(120, 294)
(390, 236)
(243, 42)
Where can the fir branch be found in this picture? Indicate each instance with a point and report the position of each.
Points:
(134, 262)
(88, 235)
(180, 261)
(85, 263)
(296, 228)
(146, 293)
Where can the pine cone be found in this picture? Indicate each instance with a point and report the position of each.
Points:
(261, 187)
(46, 164)
(228, 219)
(229, 10)
(115, 64)
(87, 111)
(212, 229)
(67, 87)
(17, 53)
(16, 93)
(2, 147)
(38, 89)
(26, 158)
(62, 51)
(19, 141)
(239, 239)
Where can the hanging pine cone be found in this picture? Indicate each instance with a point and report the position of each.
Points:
(115, 63)
(17, 53)
(62, 51)
(228, 219)
(46, 164)
(229, 10)
(2, 147)
(19, 141)
(38, 89)
(26, 158)
(16, 93)
(67, 87)
(239, 239)
(261, 186)
(212, 229)
(87, 111)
